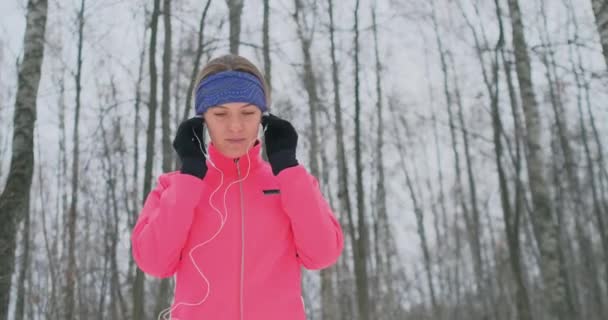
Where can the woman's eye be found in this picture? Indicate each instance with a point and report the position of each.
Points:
(248, 113)
(219, 114)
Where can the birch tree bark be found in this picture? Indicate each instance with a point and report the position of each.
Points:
(546, 230)
(600, 10)
(593, 168)
(23, 268)
(511, 214)
(15, 197)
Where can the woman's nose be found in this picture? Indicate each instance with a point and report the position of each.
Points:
(235, 124)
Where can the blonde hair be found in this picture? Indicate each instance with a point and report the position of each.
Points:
(231, 62)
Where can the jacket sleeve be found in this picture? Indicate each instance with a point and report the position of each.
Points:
(317, 233)
(164, 222)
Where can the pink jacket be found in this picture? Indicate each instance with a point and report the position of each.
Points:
(235, 241)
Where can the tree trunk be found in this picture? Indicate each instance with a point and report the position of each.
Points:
(418, 212)
(117, 303)
(361, 243)
(267, 61)
(138, 287)
(385, 281)
(109, 236)
(345, 208)
(512, 217)
(439, 209)
(266, 45)
(600, 10)
(595, 181)
(134, 199)
(305, 34)
(69, 303)
(573, 186)
(235, 9)
(197, 61)
(165, 286)
(459, 189)
(14, 200)
(165, 110)
(568, 251)
(472, 217)
(60, 209)
(24, 267)
(554, 286)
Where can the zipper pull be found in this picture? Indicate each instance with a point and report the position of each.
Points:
(238, 168)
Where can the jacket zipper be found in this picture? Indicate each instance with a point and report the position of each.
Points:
(238, 169)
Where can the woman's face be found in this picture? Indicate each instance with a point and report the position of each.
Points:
(233, 127)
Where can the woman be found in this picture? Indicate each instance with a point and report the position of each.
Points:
(232, 228)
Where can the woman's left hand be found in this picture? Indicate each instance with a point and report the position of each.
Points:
(281, 141)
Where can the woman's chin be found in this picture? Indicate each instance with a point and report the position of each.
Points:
(234, 152)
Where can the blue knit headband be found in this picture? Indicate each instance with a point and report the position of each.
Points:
(229, 86)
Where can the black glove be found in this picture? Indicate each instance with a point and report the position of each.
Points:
(281, 141)
(188, 144)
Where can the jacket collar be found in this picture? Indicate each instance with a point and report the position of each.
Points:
(229, 165)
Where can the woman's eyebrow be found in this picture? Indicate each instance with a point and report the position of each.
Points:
(225, 107)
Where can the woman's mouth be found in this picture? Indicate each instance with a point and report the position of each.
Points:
(235, 141)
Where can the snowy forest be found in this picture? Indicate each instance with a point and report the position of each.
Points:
(459, 142)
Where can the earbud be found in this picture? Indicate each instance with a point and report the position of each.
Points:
(265, 114)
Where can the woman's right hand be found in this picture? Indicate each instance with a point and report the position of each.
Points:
(189, 145)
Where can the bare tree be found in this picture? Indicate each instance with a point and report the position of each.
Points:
(511, 214)
(546, 231)
(385, 292)
(600, 10)
(24, 268)
(345, 208)
(418, 210)
(471, 215)
(73, 210)
(361, 245)
(133, 201)
(116, 302)
(266, 46)
(596, 182)
(197, 60)
(573, 186)
(235, 10)
(306, 33)
(439, 210)
(62, 202)
(165, 285)
(14, 200)
(138, 287)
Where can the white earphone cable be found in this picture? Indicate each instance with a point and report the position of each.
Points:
(166, 313)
